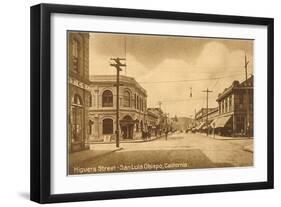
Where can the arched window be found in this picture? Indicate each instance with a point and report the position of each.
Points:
(76, 118)
(90, 100)
(107, 126)
(90, 127)
(127, 99)
(140, 104)
(75, 55)
(77, 100)
(107, 99)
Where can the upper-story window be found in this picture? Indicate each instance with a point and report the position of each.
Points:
(226, 107)
(251, 102)
(127, 100)
(135, 101)
(241, 99)
(230, 103)
(77, 100)
(107, 99)
(222, 106)
(75, 54)
(90, 100)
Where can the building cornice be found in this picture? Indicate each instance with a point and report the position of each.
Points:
(111, 79)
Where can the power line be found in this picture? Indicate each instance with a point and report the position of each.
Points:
(186, 100)
(188, 80)
(215, 84)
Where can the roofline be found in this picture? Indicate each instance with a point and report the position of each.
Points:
(123, 79)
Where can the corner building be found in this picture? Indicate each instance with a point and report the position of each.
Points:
(132, 113)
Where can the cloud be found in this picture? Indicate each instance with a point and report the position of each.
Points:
(167, 67)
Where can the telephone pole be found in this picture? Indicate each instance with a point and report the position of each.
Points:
(247, 97)
(207, 92)
(117, 64)
(159, 103)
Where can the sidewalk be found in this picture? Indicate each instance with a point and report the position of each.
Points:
(127, 140)
(249, 148)
(218, 137)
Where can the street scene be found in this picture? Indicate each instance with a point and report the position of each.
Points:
(156, 102)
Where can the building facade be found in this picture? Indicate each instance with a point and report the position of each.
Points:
(157, 121)
(201, 118)
(236, 109)
(132, 109)
(79, 96)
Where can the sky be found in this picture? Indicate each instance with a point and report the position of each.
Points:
(167, 67)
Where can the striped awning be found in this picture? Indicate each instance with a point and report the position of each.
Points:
(220, 122)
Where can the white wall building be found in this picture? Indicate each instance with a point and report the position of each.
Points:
(102, 113)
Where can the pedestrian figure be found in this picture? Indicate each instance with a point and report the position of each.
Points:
(166, 134)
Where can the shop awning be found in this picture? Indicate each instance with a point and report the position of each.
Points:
(200, 125)
(220, 122)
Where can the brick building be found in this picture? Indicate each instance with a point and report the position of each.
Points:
(79, 97)
(235, 109)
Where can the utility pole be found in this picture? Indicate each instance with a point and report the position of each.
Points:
(159, 103)
(247, 97)
(195, 117)
(207, 92)
(117, 64)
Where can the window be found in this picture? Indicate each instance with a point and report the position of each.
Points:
(230, 103)
(241, 99)
(135, 101)
(77, 100)
(226, 100)
(90, 100)
(251, 103)
(107, 99)
(127, 101)
(76, 118)
(75, 55)
(90, 127)
(107, 126)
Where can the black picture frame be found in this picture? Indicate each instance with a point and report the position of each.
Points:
(41, 99)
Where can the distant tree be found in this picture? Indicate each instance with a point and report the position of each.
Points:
(176, 118)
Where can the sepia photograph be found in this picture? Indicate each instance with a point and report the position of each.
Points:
(147, 102)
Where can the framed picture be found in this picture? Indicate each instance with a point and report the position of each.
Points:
(133, 103)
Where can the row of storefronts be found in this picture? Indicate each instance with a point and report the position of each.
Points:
(234, 114)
